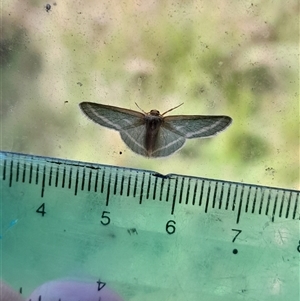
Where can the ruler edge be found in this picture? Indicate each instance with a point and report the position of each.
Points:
(30, 157)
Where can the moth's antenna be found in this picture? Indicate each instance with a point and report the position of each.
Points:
(140, 108)
(172, 109)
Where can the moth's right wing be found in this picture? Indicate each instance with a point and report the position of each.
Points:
(168, 142)
(112, 117)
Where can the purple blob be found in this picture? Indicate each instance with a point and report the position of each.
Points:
(66, 290)
(8, 294)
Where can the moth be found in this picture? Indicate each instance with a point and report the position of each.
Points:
(152, 134)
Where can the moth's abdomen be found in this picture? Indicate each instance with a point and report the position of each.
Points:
(153, 125)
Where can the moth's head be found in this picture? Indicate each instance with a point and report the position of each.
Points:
(154, 113)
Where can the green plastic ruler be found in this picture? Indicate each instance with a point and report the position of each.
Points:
(148, 236)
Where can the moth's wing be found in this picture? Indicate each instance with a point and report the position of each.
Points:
(167, 142)
(196, 126)
(112, 117)
(134, 138)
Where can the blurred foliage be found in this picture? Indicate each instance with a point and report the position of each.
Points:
(239, 58)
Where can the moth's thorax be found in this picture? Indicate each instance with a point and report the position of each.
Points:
(153, 121)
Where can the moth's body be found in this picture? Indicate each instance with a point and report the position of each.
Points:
(153, 122)
(151, 134)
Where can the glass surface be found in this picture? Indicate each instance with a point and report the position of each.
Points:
(235, 58)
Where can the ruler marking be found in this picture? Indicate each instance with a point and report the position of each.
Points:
(288, 205)
(231, 186)
(108, 188)
(268, 195)
(217, 199)
(261, 201)
(174, 196)
(274, 207)
(154, 188)
(116, 183)
(175, 190)
(4, 170)
(195, 192)
(76, 181)
(201, 193)
(188, 192)
(240, 204)
(148, 187)
(160, 184)
(295, 207)
(234, 196)
(57, 176)
(30, 173)
(142, 188)
(185, 190)
(162, 188)
(128, 187)
(83, 178)
(37, 174)
(122, 183)
(181, 190)
(50, 176)
(180, 187)
(64, 176)
(70, 177)
(281, 204)
(214, 196)
(11, 173)
(102, 181)
(173, 206)
(220, 186)
(248, 199)
(254, 200)
(17, 173)
(90, 180)
(24, 173)
(168, 191)
(252, 194)
(135, 185)
(43, 181)
(96, 181)
(207, 197)
(227, 197)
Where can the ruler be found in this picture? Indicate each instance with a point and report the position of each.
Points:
(147, 236)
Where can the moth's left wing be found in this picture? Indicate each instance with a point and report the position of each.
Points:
(112, 117)
(134, 138)
(196, 126)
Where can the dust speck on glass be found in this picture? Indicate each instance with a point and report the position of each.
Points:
(48, 7)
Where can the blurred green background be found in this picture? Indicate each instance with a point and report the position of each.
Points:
(236, 58)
